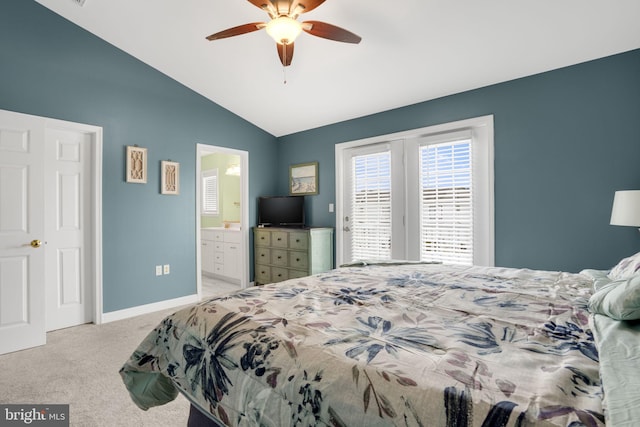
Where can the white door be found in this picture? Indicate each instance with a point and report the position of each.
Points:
(427, 194)
(373, 226)
(48, 232)
(67, 225)
(22, 279)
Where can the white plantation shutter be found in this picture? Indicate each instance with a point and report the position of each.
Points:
(210, 203)
(371, 206)
(424, 194)
(446, 207)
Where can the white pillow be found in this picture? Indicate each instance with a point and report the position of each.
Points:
(626, 268)
(619, 299)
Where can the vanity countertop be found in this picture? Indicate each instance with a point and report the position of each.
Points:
(231, 228)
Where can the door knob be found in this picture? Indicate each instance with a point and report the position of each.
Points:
(36, 243)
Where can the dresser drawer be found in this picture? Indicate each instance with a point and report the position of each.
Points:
(296, 274)
(279, 239)
(263, 274)
(263, 238)
(299, 260)
(298, 240)
(279, 274)
(263, 256)
(279, 257)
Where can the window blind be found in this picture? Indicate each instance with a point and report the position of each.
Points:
(446, 192)
(371, 206)
(210, 205)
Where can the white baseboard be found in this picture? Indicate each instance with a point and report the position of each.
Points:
(112, 316)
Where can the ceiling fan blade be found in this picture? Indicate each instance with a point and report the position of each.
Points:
(331, 32)
(265, 5)
(305, 6)
(285, 52)
(236, 31)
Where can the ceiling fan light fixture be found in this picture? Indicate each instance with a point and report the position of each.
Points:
(284, 29)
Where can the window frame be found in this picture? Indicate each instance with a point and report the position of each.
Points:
(481, 130)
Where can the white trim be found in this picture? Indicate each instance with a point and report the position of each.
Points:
(96, 133)
(139, 310)
(202, 149)
(483, 123)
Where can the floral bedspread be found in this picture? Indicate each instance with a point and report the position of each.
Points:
(406, 345)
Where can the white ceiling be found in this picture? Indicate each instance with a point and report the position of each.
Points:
(411, 50)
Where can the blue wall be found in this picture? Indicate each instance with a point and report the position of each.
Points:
(50, 67)
(565, 140)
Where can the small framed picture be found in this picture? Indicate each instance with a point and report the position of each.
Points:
(136, 164)
(303, 179)
(170, 179)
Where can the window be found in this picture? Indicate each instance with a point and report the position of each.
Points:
(425, 194)
(371, 206)
(446, 204)
(210, 202)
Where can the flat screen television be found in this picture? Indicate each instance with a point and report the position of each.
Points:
(281, 211)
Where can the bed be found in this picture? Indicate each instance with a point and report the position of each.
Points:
(403, 344)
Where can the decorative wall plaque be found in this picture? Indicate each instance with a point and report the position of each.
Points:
(136, 165)
(170, 180)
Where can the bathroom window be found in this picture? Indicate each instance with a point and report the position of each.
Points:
(210, 202)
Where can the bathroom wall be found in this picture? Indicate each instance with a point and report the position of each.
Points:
(229, 189)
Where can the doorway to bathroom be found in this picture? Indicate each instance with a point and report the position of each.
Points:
(222, 217)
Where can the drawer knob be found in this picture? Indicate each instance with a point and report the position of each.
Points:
(297, 240)
(298, 259)
(279, 257)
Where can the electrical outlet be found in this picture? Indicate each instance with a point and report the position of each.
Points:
(166, 269)
(330, 207)
(158, 270)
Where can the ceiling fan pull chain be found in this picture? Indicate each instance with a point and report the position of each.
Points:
(284, 67)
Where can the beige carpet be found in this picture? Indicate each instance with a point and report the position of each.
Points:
(79, 366)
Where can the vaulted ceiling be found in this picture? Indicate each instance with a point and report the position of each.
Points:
(411, 50)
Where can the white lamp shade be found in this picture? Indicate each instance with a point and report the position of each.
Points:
(283, 29)
(626, 208)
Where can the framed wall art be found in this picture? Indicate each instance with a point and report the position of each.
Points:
(303, 179)
(170, 179)
(136, 164)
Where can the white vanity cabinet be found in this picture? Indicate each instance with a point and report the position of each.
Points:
(221, 253)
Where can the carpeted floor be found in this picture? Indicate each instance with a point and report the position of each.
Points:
(79, 366)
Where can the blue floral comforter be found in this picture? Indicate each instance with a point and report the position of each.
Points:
(405, 345)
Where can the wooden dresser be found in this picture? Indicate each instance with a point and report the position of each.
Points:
(288, 253)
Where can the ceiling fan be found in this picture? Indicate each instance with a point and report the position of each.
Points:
(284, 26)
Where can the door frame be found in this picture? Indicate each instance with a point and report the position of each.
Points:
(94, 228)
(204, 149)
(482, 122)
